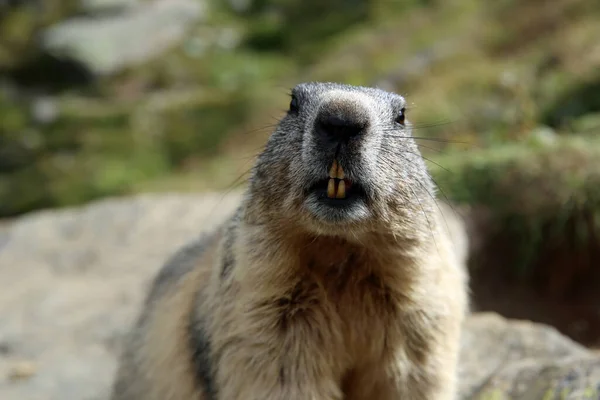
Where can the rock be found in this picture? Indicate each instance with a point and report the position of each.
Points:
(494, 349)
(44, 110)
(108, 44)
(96, 6)
(573, 378)
(73, 280)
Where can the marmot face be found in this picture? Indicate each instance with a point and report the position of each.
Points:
(343, 156)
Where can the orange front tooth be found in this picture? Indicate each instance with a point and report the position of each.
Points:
(341, 192)
(340, 172)
(331, 188)
(334, 168)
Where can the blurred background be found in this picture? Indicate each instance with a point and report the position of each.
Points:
(104, 98)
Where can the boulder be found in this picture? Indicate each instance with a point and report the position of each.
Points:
(98, 6)
(110, 43)
(505, 359)
(73, 280)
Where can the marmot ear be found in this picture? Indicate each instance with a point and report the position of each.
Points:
(400, 116)
(294, 106)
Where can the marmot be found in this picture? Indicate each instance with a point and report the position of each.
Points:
(336, 278)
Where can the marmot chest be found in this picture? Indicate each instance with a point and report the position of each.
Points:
(352, 311)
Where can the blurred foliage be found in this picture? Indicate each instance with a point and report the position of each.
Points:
(542, 191)
(480, 77)
(20, 24)
(288, 26)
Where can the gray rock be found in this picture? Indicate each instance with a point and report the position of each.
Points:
(72, 281)
(108, 44)
(573, 378)
(44, 110)
(494, 349)
(95, 6)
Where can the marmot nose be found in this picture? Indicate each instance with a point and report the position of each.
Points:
(338, 128)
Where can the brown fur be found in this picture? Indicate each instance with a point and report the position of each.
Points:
(295, 314)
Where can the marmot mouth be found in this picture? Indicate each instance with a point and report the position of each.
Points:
(337, 189)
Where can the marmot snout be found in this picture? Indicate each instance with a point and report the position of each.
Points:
(344, 156)
(336, 279)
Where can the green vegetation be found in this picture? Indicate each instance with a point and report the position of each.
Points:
(544, 194)
(487, 81)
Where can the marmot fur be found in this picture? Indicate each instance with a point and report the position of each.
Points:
(336, 278)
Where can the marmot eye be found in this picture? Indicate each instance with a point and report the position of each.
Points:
(294, 107)
(400, 116)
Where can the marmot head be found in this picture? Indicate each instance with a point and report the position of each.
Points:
(342, 161)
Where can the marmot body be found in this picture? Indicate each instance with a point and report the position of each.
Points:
(335, 279)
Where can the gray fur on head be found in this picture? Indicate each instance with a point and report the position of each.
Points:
(382, 159)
